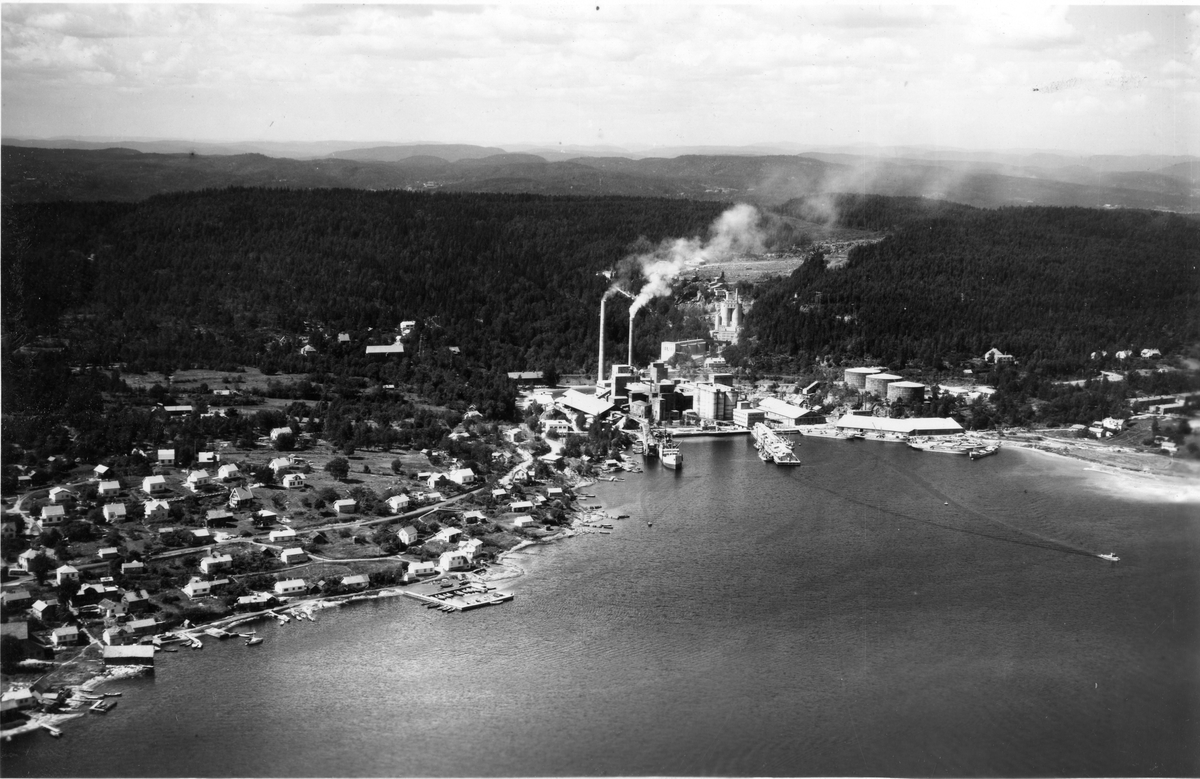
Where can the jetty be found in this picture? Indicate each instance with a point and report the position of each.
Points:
(462, 596)
(773, 447)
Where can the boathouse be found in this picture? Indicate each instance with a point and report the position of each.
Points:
(136, 654)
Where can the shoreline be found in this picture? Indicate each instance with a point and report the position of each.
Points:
(508, 570)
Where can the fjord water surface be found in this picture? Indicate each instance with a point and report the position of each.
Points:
(878, 611)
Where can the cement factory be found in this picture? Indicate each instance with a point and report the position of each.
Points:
(659, 403)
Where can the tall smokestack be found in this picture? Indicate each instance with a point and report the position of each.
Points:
(632, 312)
(600, 370)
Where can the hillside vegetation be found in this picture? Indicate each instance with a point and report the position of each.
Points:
(31, 174)
(1050, 285)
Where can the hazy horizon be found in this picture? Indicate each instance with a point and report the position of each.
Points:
(1082, 80)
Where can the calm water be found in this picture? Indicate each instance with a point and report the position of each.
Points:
(879, 611)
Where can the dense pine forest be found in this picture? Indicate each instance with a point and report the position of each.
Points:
(247, 277)
(1048, 285)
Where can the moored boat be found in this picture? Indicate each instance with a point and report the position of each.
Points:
(984, 451)
(670, 455)
(1112, 558)
(254, 640)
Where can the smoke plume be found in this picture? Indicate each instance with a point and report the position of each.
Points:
(737, 231)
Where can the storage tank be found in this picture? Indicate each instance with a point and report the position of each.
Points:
(857, 377)
(877, 383)
(911, 391)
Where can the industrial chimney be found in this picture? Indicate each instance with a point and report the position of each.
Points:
(600, 370)
(632, 312)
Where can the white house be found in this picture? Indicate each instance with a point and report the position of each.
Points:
(280, 465)
(240, 496)
(68, 635)
(108, 553)
(523, 520)
(228, 472)
(114, 512)
(454, 560)
(407, 535)
(996, 356)
(358, 581)
(281, 535)
(345, 506)
(202, 534)
(197, 588)
(100, 471)
(398, 503)
(1124, 354)
(198, 479)
(53, 515)
(157, 510)
(291, 588)
(276, 432)
(554, 492)
(447, 534)
(207, 458)
(153, 485)
(1148, 353)
(461, 476)
(216, 563)
(422, 569)
(434, 497)
(60, 495)
(520, 505)
(25, 557)
(293, 481)
(499, 494)
(435, 479)
(66, 573)
(133, 567)
(107, 489)
(166, 456)
(293, 556)
(472, 517)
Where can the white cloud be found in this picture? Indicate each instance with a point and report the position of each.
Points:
(1019, 26)
(1134, 42)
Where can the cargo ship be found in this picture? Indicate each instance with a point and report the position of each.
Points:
(668, 452)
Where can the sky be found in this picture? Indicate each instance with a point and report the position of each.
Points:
(1096, 79)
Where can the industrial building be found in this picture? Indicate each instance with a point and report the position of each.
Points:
(914, 426)
(714, 401)
(782, 413)
(745, 415)
(727, 319)
(694, 348)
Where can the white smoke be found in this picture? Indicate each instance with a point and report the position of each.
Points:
(737, 231)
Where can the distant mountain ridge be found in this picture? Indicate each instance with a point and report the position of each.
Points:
(36, 173)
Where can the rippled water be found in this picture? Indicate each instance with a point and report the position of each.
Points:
(878, 611)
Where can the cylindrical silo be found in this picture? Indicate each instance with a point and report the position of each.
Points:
(911, 391)
(877, 383)
(857, 377)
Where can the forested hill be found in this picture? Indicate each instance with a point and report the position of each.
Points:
(236, 277)
(1049, 285)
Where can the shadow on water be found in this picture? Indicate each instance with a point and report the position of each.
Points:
(1035, 540)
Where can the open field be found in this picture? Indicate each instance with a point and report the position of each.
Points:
(190, 380)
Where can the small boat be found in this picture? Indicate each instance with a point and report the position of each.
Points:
(606, 526)
(103, 707)
(984, 451)
(254, 640)
(1112, 558)
(649, 524)
(112, 695)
